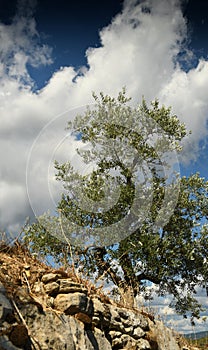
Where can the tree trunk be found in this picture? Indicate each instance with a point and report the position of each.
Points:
(128, 287)
(127, 298)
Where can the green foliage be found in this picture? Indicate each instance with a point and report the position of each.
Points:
(169, 247)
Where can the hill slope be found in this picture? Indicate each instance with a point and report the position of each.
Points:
(44, 308)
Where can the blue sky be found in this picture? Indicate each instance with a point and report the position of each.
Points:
(54, 54)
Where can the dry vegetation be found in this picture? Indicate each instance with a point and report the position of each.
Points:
(20, 270)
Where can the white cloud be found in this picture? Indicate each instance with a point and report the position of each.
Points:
(20, 45)
(160, 308)
(188, 94)
(138, 49)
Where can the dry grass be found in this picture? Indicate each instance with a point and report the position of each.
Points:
(18, 268)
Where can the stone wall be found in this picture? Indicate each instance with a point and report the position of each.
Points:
(60, 313)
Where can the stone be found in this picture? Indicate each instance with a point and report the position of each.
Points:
(76, 321)
(115, 334)
(138, 333)
(5, 307)
(123, 341)
(6, 344)
(83, 318)
(50, 277)
(125, 321)
(51, 288)
(38, 287)
(143, 344)
(101, 313)
(23, 295)
(129, 330)
(69, 286)
(115, 320)
(56, 333)
(73, 303)
(98, 339)
(98, 306)
(2, 289)
(164, 335)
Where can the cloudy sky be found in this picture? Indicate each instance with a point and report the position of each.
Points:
(54, 54)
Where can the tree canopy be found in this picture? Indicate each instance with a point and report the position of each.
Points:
(129, 216)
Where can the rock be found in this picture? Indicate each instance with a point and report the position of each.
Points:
(69, 286)
(128, 321)
(74, 321)
(83, 318)
(64, 332)
(38, 287)
(164, 336)
(138, 333)
(6, 344)
(5, 307)
(50, 277)
(115, 335)
(98, 339)
(56, 333)
(2, 289)
(51, 288)
(23, 295)
(73, 303)
(143, 344)
(123, 341)
(101, 314)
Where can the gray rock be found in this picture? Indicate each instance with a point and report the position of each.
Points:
(138, 333)
(38, 287)
(165, 337)
(101, 313)
(5, 307)
(51, 288)
(124, 340)
(98, 340)
(77, 322)
(73, 303)
(115, 334)
(64, 332)
(2, 288)
(126, 321)
(6, 344)
(69, 286)
(143, 344)
(50, 277)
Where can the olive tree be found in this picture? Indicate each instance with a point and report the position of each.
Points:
(128, 215)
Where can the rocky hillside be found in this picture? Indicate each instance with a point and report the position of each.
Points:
(43, 308)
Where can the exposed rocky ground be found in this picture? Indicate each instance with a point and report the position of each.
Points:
(43, 308)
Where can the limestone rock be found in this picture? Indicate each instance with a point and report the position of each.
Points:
(50, 277)
(72, 320)
(6, 344)
(56, 333)
(5, 307)
(127, 321)
(69, 286)
(38, 287)
(138, 332)
(101, 313)
(73, 303)
(164, 336)
(98, 339)
(143, 344)
(51, 288)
